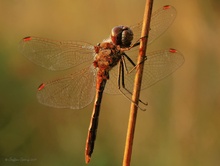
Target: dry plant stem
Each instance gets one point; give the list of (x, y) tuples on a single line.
[(137, 83)]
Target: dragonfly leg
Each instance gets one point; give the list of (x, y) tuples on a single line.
[(123, 65), (124, 62), (137, 65), (134, 65), (137, 43), (121, 75)]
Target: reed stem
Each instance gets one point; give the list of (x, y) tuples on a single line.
[(137, 83)]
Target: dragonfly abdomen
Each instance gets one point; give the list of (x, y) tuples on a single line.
[(90, 142)]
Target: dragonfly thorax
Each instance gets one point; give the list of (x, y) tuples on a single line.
[(122, 36), (107, 56)]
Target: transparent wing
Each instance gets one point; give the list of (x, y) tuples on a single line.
[(160, 22), (74, 91), (159, 64), (56, 55)]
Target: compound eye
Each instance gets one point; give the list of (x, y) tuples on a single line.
[(127, 37), (122, 35), (116, 35)]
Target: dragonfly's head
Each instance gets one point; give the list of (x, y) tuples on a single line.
[(122, 35)]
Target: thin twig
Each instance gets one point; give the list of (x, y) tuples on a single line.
[(137, 83)]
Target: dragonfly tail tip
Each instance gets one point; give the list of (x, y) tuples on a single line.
[(87, 159)]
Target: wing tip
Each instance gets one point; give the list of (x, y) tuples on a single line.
[(41, 86), (28, 38), (172, 50)]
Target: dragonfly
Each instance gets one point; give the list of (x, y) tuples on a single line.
[(96, 67)]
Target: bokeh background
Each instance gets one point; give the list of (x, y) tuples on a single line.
[(182, 123)]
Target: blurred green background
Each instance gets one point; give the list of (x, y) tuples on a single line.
[(181, 124)]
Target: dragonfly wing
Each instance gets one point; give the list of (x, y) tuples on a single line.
[(158, 65), (111, 86), (56, 55), (74, 91), (160, 22)]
